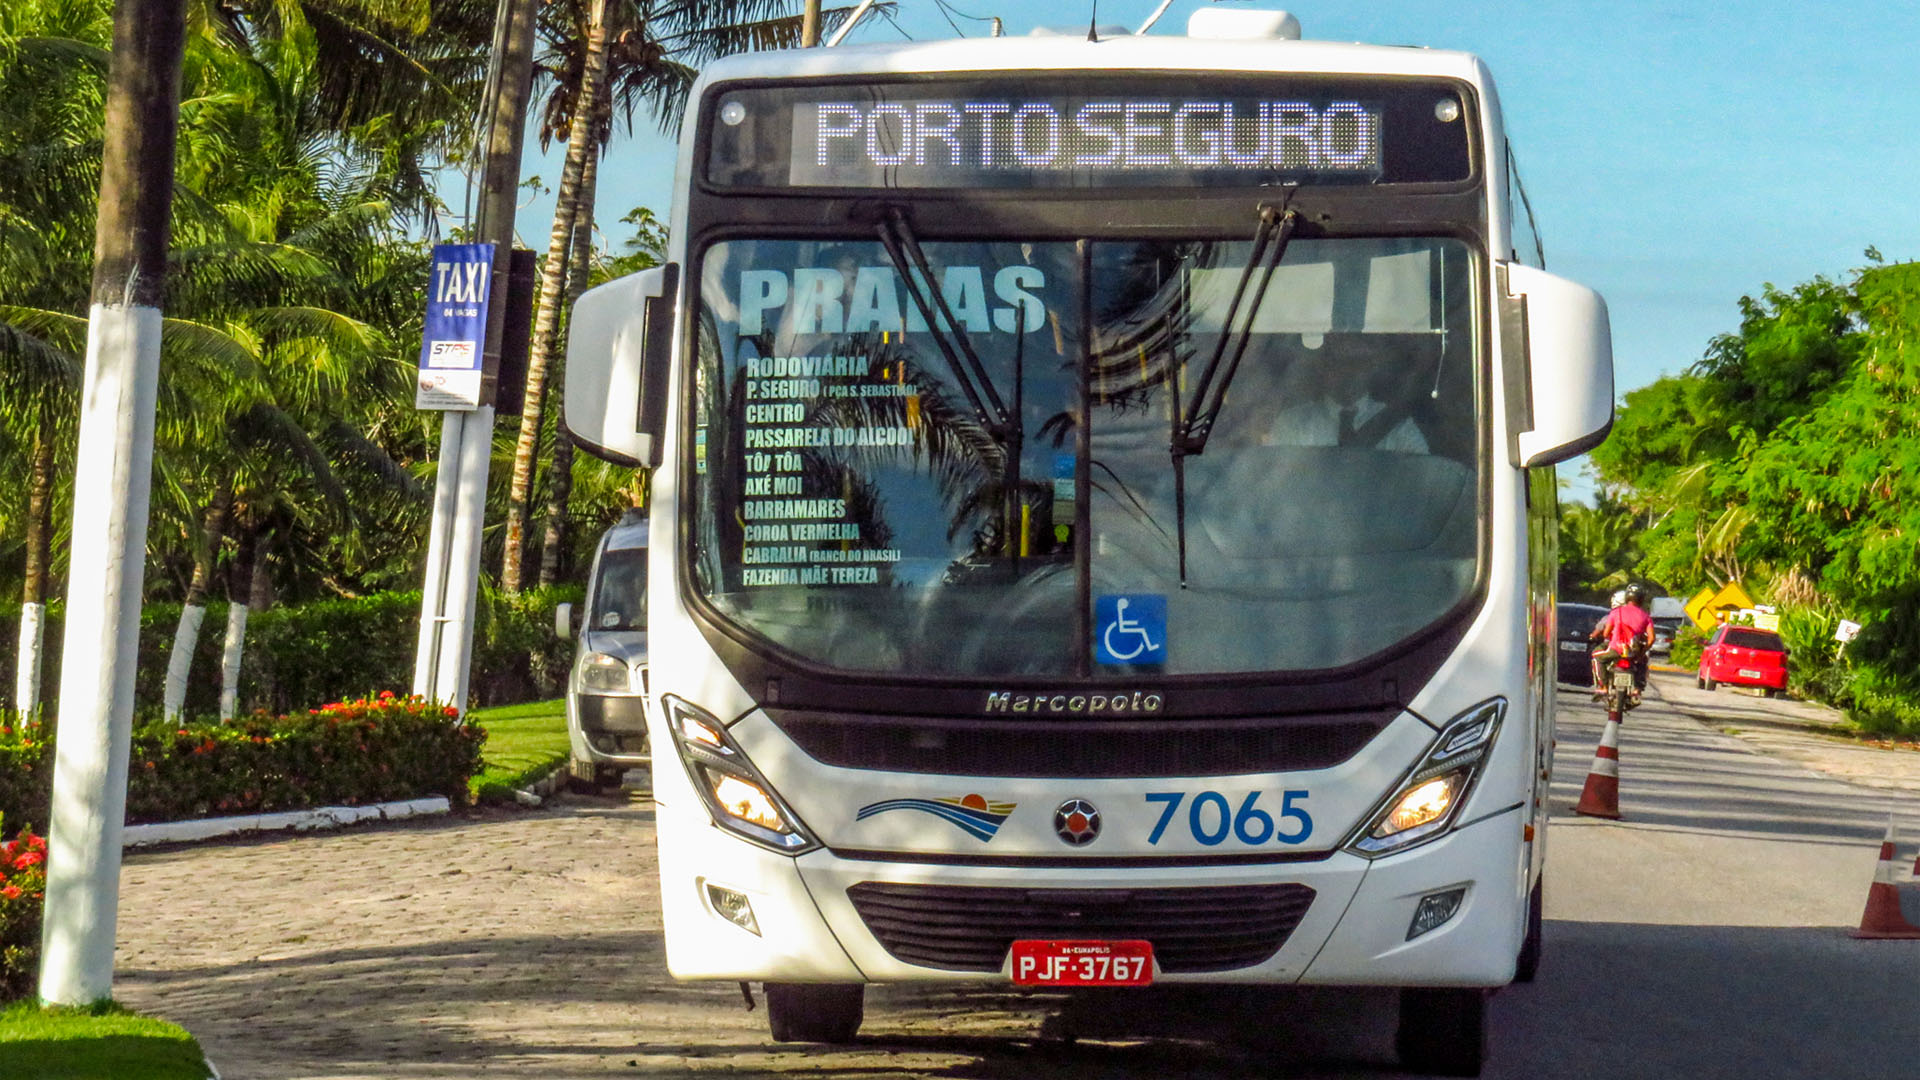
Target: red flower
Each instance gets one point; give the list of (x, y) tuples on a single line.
[(11, 892), (386, 695), (31, 858)]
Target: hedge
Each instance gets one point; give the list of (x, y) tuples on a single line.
[(329, 650), (348, 753)]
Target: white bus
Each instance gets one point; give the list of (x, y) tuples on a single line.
[(1102, 521)]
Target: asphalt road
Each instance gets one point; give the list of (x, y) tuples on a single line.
[(1705, 936)]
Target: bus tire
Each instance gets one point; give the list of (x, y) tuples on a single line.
[(815, 1012), (1527, 964), (1443, 1031)]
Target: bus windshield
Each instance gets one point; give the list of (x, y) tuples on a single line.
[(620, 591), (956, 458)]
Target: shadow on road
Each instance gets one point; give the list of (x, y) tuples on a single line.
[(1674, 773), (1708, 1002)]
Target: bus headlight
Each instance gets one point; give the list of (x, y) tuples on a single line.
[(737, 796), (1426, 802), (598, 671)]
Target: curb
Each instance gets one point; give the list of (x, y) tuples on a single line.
[(542, 789), (320, 817)]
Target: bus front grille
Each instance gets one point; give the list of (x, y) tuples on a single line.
[(970, 928), (1193, 746)]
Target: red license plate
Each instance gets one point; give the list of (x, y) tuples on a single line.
[(1082, 963)]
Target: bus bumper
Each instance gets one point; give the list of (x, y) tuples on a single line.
[(1354, 932)]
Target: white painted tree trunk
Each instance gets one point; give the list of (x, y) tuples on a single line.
[(102, 642), (114, 471), (185, 639), (26, 684), (230, 660)]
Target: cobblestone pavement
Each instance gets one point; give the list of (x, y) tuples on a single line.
[(521, 944), (513, 943)]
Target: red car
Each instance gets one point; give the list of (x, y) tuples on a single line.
[(1743, 656)]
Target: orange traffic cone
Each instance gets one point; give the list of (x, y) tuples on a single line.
[(1601, 796), (1893, 911)]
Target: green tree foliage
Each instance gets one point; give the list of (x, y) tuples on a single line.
[(1789, 457), (311, 135), (1599, 549)]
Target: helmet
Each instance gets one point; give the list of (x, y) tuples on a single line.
[(1619, 597), (1636, 595)]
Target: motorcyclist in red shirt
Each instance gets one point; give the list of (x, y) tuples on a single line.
[(1628, 631)]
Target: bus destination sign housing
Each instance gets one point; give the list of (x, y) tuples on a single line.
[(1089, 132)]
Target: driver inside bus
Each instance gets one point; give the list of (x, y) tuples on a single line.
[(1328, 399)]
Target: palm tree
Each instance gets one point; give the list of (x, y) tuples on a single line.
[(52, 88), (292, 213), (647, 52)]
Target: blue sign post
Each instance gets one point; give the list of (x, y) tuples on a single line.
[(453, 352)]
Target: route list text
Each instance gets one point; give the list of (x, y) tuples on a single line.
[(792, 537)]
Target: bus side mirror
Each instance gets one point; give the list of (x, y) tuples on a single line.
[(563, 621), (619, 344), (1558, 350)]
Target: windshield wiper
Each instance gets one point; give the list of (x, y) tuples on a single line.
[(903, 247), (1194, 424), (990, 409)]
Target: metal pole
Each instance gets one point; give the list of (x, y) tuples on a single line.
[(446, 631), (854, 18), (434, 585), (463, 560), (1155, 17), (109, 542), (810, 25)]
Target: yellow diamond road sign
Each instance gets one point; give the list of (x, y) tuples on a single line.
[(1707, 605), (1697, 608)]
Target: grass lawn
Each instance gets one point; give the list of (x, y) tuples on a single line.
[(523, 743), (101, 1043)]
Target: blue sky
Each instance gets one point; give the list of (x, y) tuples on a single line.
[(1678, 155)]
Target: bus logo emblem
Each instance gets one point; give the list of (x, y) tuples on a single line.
[(973, 814), (1077, 822)]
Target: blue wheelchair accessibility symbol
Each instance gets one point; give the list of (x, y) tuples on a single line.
[(1130, 630)]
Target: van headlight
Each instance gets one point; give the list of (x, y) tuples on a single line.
[(1424, 805), (598, 671), (737, 796)]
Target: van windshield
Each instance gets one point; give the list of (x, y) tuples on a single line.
[(960, 462), (620, 591)]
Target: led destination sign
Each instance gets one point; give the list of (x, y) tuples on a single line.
[(1287, 136), (1089, 132)]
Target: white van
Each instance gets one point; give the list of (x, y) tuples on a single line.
[(607, 686)]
